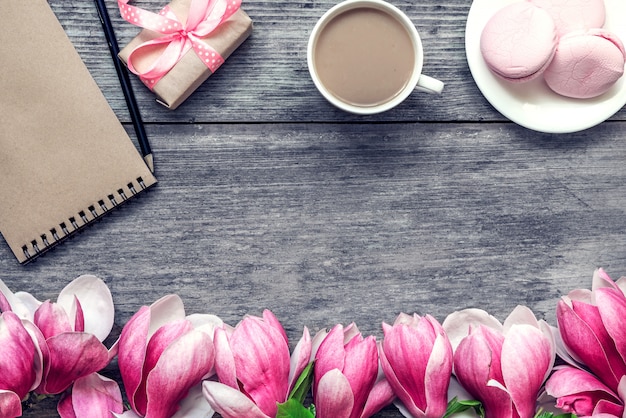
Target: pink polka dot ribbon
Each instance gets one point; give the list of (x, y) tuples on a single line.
[(176, 38)]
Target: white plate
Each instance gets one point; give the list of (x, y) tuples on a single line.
[(533, 105)]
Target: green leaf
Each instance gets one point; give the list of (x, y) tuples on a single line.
[(303, 384), (294, 409), (455, 406)]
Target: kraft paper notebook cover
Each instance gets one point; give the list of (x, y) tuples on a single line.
[(65, 159)]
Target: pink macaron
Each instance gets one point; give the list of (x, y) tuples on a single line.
[(586, 64), (573, 15), (519, 41)]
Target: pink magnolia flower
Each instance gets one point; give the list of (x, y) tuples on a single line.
[(503, 366), (581, 393), (416, 357), (254, 368), (347, 382), (20, 364), (69, 333), (92, 396), (590, 323), (163, 355)]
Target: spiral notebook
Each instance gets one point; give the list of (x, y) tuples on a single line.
[(65, 159)]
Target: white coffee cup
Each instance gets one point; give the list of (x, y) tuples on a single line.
[(414, 79)]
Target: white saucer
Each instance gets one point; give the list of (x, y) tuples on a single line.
[(533, 105)]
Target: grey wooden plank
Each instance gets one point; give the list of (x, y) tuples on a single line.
[(267, 78), (333, 223)]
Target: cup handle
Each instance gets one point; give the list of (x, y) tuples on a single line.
[(429, 85)]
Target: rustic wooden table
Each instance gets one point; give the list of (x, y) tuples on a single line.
[(268, 197)]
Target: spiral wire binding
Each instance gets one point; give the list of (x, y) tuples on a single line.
[(71, 226)]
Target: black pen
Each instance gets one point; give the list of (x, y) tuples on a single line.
[(122, 74)]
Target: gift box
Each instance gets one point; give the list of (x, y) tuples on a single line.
[(183, 45)]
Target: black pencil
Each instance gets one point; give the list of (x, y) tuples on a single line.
[(129, 95)]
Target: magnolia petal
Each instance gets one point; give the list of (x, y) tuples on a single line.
[(330, 354), (406, 352), (349, 332), (25, 305), (79, 321), (229, 402), (18, 359), (300, 358), (205, 322), (549, 332), (379, 397), (334, 398), (601, 279), (406, 319), (65, 409), (271, 319), (180, 367), (608, 408), (52, 319), (437, 378), (224, 359), (10, 404), (166, 309), (569, 380), (72, 355), (476, 362), (158, 343), (612, 307), (318, 338), (133, 340), (405, 401), (361, 368), (520, 315), (21, 303), (526, 357), (93, 396), (194, 405), (586, 337), (5, 306), (132, 346), (458, 324), (262, 361), (582, 393), (96, 301), (162, 339), (42, 354)]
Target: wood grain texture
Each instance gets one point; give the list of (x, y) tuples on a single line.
[(334, 223), (268, 198)]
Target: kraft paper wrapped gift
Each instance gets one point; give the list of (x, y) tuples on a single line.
[(190, 71)]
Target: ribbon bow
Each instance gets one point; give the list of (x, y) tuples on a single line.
[(204, 17)]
